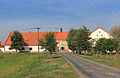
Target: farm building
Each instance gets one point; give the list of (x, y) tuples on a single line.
[(99, 33), (31, 40)]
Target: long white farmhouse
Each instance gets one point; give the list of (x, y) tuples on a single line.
[(31, 40)]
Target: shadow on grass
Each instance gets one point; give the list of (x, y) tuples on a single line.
[(87, 54), (54, 57)]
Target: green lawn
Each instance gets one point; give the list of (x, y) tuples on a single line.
[(29, 66), (105, 59)]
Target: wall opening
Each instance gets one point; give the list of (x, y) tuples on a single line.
[(62, 48), (30, 48), (23, 48)]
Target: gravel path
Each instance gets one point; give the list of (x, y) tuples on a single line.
[(91, 69)]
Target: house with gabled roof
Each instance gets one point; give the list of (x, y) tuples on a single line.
[(100, 33), (31, 40)]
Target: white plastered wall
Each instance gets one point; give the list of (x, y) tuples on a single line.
[(99, 33), (34, 49), (1, 50)]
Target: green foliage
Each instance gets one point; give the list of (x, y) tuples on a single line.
[(78, 39), (70, 39), (49, 42), (115, 31), (103, 45), (110, 45), (17, 41)]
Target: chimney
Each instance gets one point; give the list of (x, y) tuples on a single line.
[(61, 30)]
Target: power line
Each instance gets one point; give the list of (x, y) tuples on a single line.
[(42, 28)]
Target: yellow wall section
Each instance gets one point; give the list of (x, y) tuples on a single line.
[(63, 47)]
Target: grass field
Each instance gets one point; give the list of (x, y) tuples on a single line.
[(105, 59), (29, 66)]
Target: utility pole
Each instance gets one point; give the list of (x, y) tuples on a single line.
[(38, 43)]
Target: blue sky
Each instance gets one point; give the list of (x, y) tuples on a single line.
[(20, 14)]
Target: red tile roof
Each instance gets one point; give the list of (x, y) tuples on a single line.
[(90, 33), (31, 38), (1, 43)]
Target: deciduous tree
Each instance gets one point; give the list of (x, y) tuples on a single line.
[(78, 39), (115, 31), (103, 45), (49, 42), (17, 41)]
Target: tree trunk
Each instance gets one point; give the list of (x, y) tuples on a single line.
[(50, 52), (101, 54), (91, 53), (16, 50), (76, 52), (73, 52), (115, 58), (96, 55), (107, 56), (79, 52)]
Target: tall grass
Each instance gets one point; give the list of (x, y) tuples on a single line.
[(107, 59), (29, 66)]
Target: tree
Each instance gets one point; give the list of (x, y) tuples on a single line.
[(49, 42), (71, 40), (115, 31), (110, 45), (83, 39), (99, 45), (103, 45), (78, 40), (17, 41)]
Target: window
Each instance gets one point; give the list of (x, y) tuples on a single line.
[(62, 48), (30, 48), (101, 35), (10, 48), (23, 48), (99, 31), (96, 35)]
